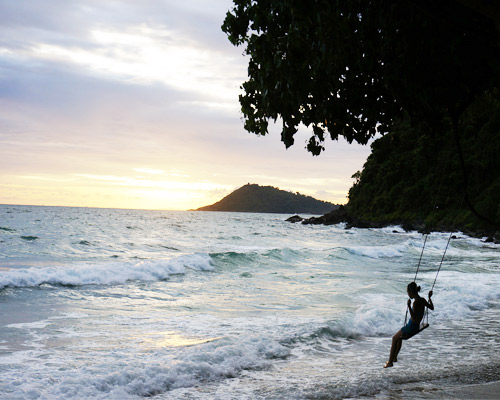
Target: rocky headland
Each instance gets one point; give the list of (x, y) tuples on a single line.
[(341, 215)]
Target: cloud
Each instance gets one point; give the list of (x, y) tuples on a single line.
[(103, 88), (147, 55), (150, 171)]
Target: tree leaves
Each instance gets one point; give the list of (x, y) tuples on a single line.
[(414, 175), (359, 65)]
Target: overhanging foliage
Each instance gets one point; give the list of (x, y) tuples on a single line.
[(351, 68)]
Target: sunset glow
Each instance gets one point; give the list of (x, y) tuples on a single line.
[(137, 107)]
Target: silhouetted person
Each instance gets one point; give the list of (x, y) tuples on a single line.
[(413, 325)]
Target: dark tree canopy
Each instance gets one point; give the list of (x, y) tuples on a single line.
[(413, 176), (351, 68)]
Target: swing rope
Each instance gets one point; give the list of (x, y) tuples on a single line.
[(435, 279), (426, 312), (442, 258), (427, 235), (420, 259), (464, 197)]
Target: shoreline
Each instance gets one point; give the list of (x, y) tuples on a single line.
[(476, 391), (341, 215), (490, 390)]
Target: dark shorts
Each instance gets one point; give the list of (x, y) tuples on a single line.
[(410, 329)]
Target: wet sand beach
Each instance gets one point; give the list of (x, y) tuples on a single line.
[(480, 391)]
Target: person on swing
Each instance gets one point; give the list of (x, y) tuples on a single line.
[(413, 325)]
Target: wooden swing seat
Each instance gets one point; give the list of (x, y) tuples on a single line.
[(422, 327)]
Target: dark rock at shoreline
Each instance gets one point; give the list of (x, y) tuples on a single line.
[(493, 238), (334, 217), (295, 218), (341, 215)]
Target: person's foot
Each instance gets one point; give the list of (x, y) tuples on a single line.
[(388, 364), (395, 360)]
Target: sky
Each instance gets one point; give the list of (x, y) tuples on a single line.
[(134, 104)]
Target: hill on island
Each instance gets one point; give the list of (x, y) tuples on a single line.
[(268, 199)]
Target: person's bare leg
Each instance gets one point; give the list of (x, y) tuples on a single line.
[(397, 340), (398, 348)]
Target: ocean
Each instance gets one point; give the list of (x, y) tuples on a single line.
[(126, 304)]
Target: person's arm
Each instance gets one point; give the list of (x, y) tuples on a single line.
[(429, 303), (412, 315)]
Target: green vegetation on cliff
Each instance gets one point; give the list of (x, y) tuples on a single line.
[(414, 174), (267, 199)]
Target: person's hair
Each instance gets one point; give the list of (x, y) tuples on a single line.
[(413, 288)]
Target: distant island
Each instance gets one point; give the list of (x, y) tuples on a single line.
[(268, 199)]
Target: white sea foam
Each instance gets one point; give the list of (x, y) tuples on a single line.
[(105, 273), (378, 251), (459, 295), (144, 374), (289, 309), (377, 318), (392, 229), (377, 315), (29, 325)]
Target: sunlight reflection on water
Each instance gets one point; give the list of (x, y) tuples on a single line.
[(171, 339)]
